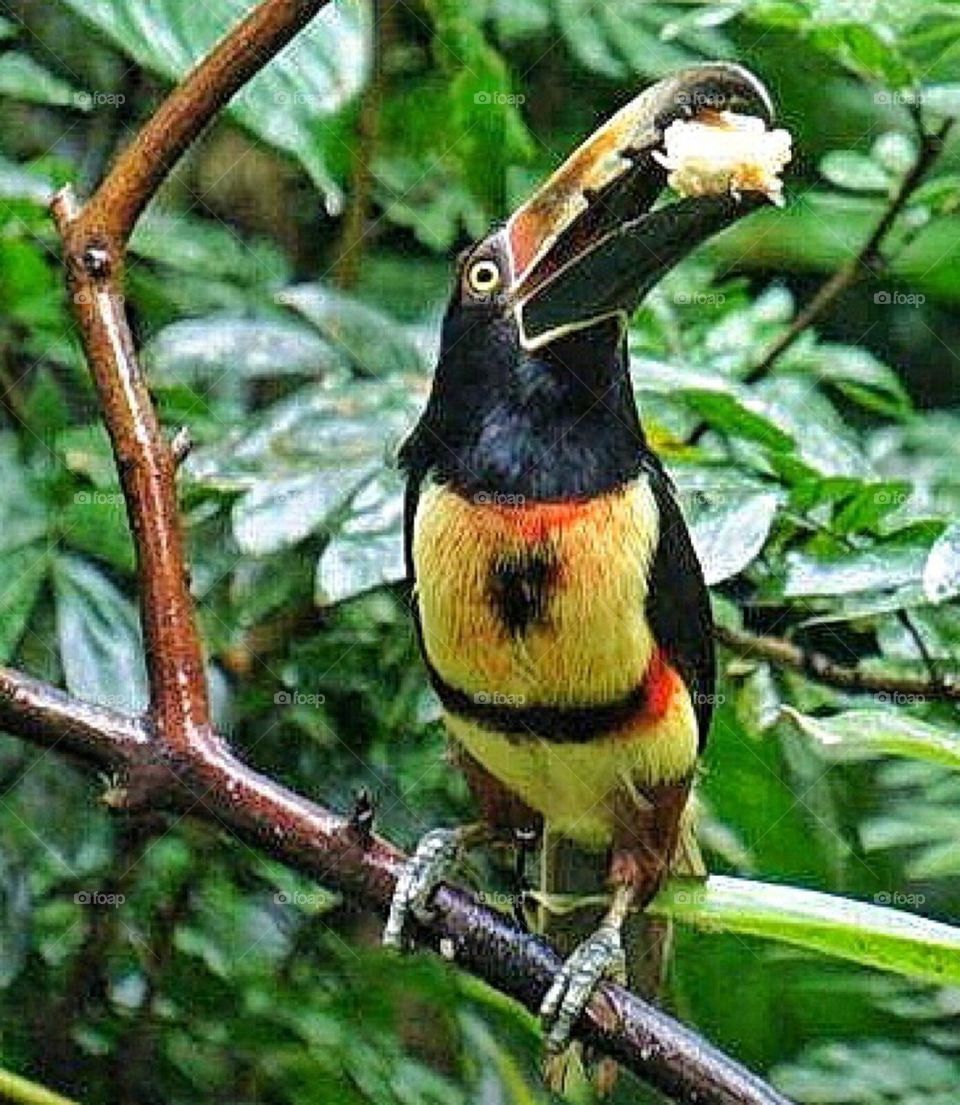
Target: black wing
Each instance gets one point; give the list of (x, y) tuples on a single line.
[(678, 605)]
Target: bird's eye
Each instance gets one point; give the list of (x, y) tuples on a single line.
[(483, 277)]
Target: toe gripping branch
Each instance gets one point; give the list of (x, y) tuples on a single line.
[(599, 957), (435, 855)]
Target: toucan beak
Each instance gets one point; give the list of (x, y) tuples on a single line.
[(587, 246)]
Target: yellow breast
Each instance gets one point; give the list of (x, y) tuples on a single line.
[(586, 642)]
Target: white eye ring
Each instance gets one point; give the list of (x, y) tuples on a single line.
[(484, 277)]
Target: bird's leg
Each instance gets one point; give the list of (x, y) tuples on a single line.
[(524, 841), (599, 957), (436, 856), (647, 821)]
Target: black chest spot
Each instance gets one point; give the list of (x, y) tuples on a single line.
[(520, 587)]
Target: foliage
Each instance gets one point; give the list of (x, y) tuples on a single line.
[(823, 499)]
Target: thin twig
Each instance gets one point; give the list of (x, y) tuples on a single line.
[(346, 269), (817, 666), (865, 263)]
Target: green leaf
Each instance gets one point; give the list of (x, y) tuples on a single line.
[(201, 248), (372, 340), (895, 151), (855, 172), (725, 405), (866, 507), (95, 522), (19, 182), (22, 573), (22, 507), (286, 103), (887, 939), (729, 528), (219, 346), (855, 372), (824, 441), (342, 425), (366, 550), (275, 514), (941, 195), (636, 36), (99, 635), (870, 1072), (941, 99), (865, 49), (886, 566), (941, 573), (868, 734), (22, 78)]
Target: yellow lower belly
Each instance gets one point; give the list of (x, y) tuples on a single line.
[(573, 784)]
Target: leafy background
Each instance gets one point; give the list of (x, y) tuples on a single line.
[(286, 291)]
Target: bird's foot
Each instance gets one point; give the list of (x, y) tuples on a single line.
[(599, 957), (435, 856)]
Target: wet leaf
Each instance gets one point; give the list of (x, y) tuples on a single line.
[(941, 573), (22, 572), (729, 529), (22, 78), (226, 346), (868, 734), (366, 550), (285, 104), (855, 171), (275, 514), (99, 636), (372, 340), (883, 568), (888, 939)]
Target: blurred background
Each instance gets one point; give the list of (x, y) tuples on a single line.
[(286, 290)]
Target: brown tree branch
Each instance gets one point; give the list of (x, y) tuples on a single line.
[(173, 759), (817, 666), (864, 263), (95, 237), (265, 815)]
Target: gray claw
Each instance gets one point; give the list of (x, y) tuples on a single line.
[(417, 881), (600, 956)]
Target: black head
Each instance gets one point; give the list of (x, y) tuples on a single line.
[(531, 394)]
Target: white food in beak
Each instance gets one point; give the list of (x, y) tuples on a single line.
[(723, 152)]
